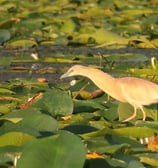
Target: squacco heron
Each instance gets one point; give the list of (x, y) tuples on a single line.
[(135, 91)]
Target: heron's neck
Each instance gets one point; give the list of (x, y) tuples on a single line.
[(106, 82), (103, 80)]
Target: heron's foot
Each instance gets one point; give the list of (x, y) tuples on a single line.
[(133, 116), (130, 118)]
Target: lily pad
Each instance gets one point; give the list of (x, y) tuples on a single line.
[(23, 43), (54, 152), (55, 102), (4, 35), (15, 139)]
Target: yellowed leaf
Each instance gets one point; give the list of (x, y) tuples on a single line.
[(94, 155), (66, 117), (13, 120), (149, 160), (153, 143)]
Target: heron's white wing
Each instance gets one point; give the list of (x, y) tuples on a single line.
[(137, 91)]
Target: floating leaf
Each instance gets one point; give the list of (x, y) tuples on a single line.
[(6, 24), (116, 162), (24, 43), (4, 90), (54, 152), (4, 35), (98, 133), (137, 132), (125, 110), (22, 113), (150, 160), (82, 94), (135, 164), (40, 122), (57, 25), (15, 139), (55, 102), (69, 26), (110, 113), (145, 72), (135, 11), (87, 106), (155, 42), (95, 11), (35, 124), (4, 109), (59, 60), (97, 144), (107, 37), (146, 45), (14, 120), (111, 149), (149, 124), (94, 155)]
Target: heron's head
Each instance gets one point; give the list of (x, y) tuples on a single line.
[(74, 71)]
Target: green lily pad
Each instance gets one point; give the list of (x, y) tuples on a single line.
[(54, 152), (55, 102), (15, 139), (5, 90), (23, 43), (69, 26), (137, 132), (4, 35), (107, 37)]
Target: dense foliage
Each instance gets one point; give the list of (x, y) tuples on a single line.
[(54, 123), (78, 22)]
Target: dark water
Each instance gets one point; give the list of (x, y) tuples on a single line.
[(29, 70)]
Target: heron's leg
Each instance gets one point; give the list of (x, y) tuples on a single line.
[(144, 114), (133, 116)]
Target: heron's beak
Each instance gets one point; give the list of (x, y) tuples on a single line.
[(65, 75)]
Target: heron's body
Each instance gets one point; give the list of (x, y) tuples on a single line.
[(135, 91)]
